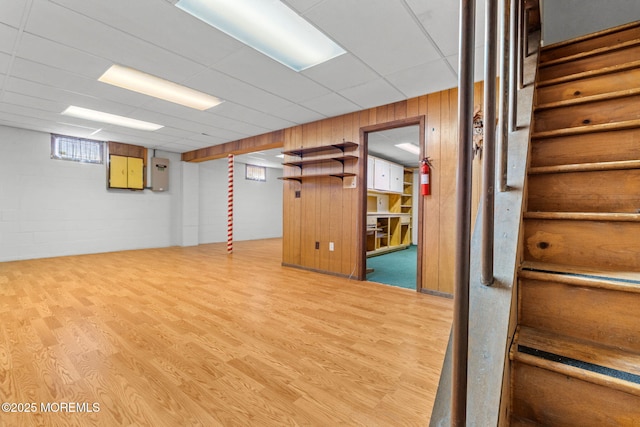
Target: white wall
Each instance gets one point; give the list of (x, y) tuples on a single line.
[(55, 207), (257, 205), (567, 19)]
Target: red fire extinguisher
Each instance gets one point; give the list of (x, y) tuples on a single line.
[(425, 175)]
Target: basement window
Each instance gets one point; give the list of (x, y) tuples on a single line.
[(76, 149), (255, 173)]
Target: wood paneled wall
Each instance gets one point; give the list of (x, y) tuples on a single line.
[(326, 212)]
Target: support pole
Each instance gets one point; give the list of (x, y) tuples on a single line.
[(505, 6), (513, 66), (230, 204), (463, 214), (489, 143)]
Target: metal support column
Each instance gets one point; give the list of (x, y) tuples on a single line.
[(489, 140), (463, 214), (513, 67), (505, 7)]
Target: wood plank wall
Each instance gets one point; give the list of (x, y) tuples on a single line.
[(326, 212)]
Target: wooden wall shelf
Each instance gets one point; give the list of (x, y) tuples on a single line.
[(324, 148), (302, 162), (301, 178)]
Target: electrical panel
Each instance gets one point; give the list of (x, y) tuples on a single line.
[(159, 174)]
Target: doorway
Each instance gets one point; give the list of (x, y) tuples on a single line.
[(393, 210)]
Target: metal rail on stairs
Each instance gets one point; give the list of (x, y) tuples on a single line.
[(513, 31)]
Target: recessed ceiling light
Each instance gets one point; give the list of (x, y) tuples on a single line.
[(269, 27), (99, 116), (137, 81), (407, 146)]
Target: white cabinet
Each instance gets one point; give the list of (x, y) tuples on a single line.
[(383, 175), (381, 179), (396, 178), (370, 168)]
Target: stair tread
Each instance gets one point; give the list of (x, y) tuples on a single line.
[(587, 274), (577, 130), (516, 421), (592, 52), (586, 167), (583, 351), (586, 216), (586, 99), (589, 73), (579, 373)]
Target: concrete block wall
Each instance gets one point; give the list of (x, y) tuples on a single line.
[(257, 205), (54, 207)]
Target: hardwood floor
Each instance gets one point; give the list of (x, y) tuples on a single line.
[(193, 336)]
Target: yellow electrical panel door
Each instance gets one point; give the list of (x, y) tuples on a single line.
[(118, 175), (135, 168)]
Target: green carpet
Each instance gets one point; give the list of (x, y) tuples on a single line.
[(395, 268)]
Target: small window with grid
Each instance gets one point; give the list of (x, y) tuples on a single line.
[(255, 173), (76, 149)]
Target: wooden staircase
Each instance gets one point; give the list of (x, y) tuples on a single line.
[(575, 359)]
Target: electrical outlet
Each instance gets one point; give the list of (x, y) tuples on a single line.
[(349, 182), (331, 247), (317, 245)]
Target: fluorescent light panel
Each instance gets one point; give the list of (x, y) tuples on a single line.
[(99, 116), (137, 81), (407, 146), (269, 27)]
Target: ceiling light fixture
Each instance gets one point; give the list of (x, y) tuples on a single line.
[(269, 27), (407, 146), (137, 81), (99, 116)]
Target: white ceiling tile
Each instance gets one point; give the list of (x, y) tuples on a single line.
[(151, 20), (425, 78), (372, 94), (299, 114), (442, 21), (302, 6), (33, 102), (478, 69), (331, 105), (377, 33), (341, 72), (44, 51), (5, 60), (234, 90), (259, 70), (11, 12), (177, 148), (72, 29), (50, 83), (7, 38), (254, 117)]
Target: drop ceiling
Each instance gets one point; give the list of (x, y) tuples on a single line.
[(53, 51)]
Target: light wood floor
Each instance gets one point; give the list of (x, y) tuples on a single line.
[(192, 336)]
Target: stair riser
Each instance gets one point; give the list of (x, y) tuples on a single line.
[(596, 62), (588, 148), (604, 316), (553, 399), (591, 113), (588, 87), (596, 244), (551, 53), (601, 191)]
